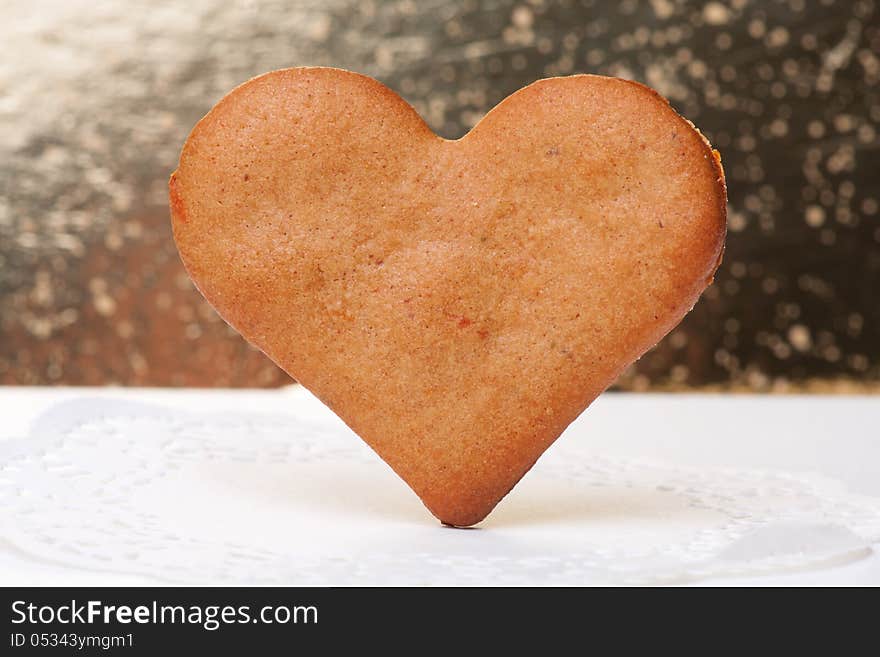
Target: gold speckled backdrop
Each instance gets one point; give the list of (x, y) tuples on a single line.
[(96, 99)]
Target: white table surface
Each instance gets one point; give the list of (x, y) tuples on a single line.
[(838, 437)]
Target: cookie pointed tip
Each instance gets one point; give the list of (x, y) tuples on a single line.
[(460, 516)]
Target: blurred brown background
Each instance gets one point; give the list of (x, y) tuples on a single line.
[(96, 99)]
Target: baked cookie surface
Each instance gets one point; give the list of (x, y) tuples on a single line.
[(456, 303)]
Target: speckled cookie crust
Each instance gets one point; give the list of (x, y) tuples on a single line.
[(456, 303)]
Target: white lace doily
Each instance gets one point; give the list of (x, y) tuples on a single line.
[(298, 499)]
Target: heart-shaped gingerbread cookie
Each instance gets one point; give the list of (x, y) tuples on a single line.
[(456, 303)]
